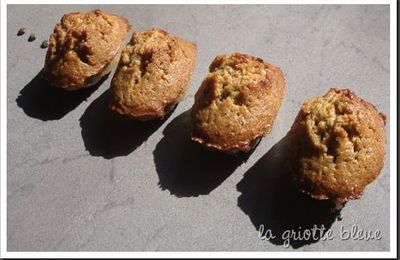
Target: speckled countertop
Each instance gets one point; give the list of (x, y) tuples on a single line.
[(80, 179)]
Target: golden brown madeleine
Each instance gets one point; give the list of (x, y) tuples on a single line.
[(83, 48), (237, 102), (153, 74), (337, 146)]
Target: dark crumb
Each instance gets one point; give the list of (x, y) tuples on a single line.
[(21, 31), (32, 37), (44, 44), (339, 217)]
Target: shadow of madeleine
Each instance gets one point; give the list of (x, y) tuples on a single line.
[(38, 99), (273, 203), (184, 167), (108, 134)]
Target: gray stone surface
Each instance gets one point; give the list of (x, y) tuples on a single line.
[(79, 179)]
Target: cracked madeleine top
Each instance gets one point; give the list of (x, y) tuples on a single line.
[(337, 145), (237, 102), (81, 47), (152, 76)]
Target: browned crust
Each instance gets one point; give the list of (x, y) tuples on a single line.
[(153, 75), (337, 146), (237, 103), (82, 48)]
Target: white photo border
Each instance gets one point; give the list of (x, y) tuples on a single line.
[(393, 145)]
